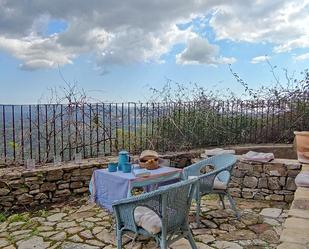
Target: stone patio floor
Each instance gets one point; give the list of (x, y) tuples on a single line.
[(79, 225)]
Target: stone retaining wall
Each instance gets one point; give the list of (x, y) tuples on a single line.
[(20, 189), (265, 181)]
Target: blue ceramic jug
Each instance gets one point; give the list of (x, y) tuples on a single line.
[(123, 158)]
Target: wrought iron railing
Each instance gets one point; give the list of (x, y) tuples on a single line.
[(43, 131)]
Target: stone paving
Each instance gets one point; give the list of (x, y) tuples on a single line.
[(78, 225)]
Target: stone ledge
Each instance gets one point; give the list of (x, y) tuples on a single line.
[(296, 227)]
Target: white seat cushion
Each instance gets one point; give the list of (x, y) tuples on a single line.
[(220, 185), (147, 219)]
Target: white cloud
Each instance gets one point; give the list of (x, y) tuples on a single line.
[(281, 22), (116, 33), (137, 31), (260, 59), (38, 52), (301, 57), (200, 51)]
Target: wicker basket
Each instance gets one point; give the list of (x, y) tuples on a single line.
[(150, 164)]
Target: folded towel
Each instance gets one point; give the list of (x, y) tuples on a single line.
[(258, 156), (216, 151)]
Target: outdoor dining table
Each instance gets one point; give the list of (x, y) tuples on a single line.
[(106, 187)]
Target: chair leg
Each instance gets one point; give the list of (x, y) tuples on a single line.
[(222, 200), (233, 205), (163, 244), (198, 209), (191, 240), (119, 239)]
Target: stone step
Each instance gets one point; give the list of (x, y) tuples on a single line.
[(297, 223), (299, 213), (298, 236), (287, 245)]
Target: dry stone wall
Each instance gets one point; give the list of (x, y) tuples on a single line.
[(21, 189), (265, 181)]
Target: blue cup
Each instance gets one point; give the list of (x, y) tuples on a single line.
[(112, 167), (127, 167)]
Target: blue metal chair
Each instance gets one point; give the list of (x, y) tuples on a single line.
[(170, 204), (222, 167)]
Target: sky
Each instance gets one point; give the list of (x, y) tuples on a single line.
[(117, 50)]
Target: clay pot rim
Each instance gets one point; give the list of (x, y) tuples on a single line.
[(301, 133)]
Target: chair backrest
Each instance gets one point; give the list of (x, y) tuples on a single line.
[(223, 164), (177, 203), (171, 203)]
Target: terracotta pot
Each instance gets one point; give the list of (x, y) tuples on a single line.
[(302, 142)]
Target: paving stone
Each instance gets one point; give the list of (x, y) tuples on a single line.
[(249, 218), (181, 244), (56, 217), (71, 245), (95, 242), (113, 247), (9, 247), (59, 236), (209, 224), (87, 224), (108, 238), (252, 243), (16, 225), (66, 224), (47, 234), (4, 242), (272, 222), (96, 230), (271, 212), (48, 223), (81, 215), (4, 234), (37, 219), (86, 234), (19, 232), (55, 246), (3, 226), (227, 227), (44, 228), (238, 235), (227, 245), (205, 238), (74, 230), (87, 207), (34, 242), (269, 236), (76, 238), (260, 228), (93, 219)]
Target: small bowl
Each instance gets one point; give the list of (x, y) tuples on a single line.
[(112, 167)]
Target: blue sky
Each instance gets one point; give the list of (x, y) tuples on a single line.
[(119, 56)]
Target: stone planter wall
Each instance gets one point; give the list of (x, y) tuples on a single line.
[(20, 189), (265, 181)]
